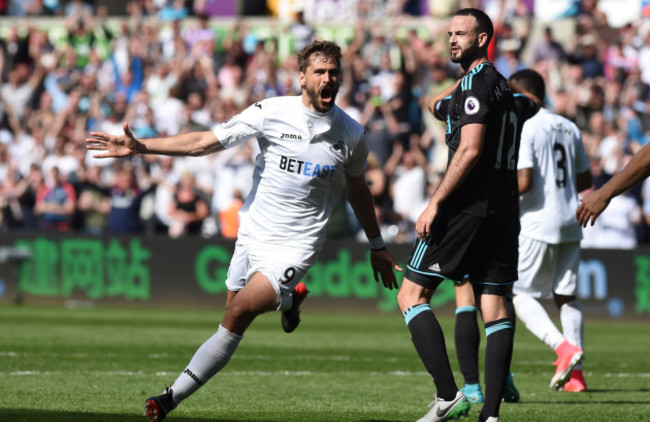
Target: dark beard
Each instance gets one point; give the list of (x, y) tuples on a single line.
[(314, 98), (466, 57)]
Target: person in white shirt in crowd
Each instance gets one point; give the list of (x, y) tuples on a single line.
[(409, 184)]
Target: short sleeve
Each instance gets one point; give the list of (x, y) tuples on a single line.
[(441, 108), (526, 108), (241, 127), (474, 103)]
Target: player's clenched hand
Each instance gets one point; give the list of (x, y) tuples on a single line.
[(383, 264), (425, 220), (591, 206), (113, 145)]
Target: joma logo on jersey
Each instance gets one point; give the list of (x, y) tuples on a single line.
[(306, 168), (290, 136)]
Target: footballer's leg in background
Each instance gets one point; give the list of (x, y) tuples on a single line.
[(467, 339), (573, 329), (571, 319), (566, 301), (510, 308), (256, 297), (511, 393), (537, 320), (543, 269), (498, 349)]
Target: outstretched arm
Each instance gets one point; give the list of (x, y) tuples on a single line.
[(361, 201), (192, 144), (594, 203)]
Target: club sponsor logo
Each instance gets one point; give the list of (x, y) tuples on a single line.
[(306, 168)]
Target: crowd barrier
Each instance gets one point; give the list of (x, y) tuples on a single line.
[(190, 273)]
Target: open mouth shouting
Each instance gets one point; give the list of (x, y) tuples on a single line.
[(327, 96)]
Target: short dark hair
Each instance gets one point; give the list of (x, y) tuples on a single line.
[(327, 49), (531, 81), (484, 23)]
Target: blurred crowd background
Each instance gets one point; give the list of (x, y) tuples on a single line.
[(171, 66)]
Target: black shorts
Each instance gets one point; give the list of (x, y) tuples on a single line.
[(462, 245)]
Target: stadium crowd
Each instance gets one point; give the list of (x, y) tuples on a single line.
[(163, 69)]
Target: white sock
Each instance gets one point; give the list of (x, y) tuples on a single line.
[(573, 324), (209, 359), (534, 316)]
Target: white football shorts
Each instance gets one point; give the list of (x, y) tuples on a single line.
[(547, 268), (284, 267)]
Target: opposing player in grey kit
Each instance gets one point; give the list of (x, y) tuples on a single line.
[(310, 149)]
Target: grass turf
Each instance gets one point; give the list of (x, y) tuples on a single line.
[(99, 365)]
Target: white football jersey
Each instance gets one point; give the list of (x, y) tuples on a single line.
[(304, 159), (552, 146)]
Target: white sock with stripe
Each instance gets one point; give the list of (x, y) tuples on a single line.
[(209, 359)]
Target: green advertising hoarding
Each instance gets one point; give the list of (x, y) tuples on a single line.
[(153, 271)]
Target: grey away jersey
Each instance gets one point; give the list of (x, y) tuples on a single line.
[(304, 160)]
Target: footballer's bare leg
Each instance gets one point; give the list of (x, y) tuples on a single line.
[(493, 307), (255, 298)]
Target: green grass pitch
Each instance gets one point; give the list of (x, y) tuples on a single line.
[(99, 365)]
